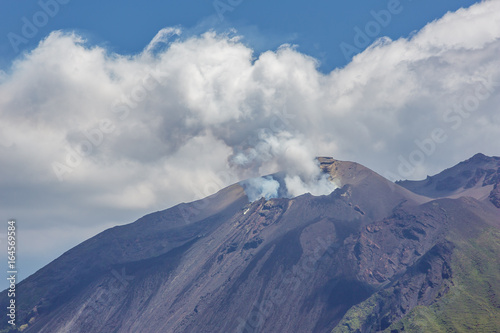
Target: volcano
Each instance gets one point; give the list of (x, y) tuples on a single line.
[(372, 256)]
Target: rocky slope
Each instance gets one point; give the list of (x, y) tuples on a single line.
[(371, 256)]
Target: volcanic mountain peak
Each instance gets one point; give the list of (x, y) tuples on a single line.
[(344, 172), (370, 256)]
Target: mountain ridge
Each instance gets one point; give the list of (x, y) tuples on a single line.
[(478, 176)]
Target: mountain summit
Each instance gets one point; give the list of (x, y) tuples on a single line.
[(372, 256)]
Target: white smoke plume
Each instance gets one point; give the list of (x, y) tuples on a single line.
[(321, 185), (291, 154), (262, 187), (275, 186)]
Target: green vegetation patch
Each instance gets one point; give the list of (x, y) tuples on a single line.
[(472, 303)]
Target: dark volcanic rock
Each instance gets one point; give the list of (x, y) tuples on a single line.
[(495, 196)]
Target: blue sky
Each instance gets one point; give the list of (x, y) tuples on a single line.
[(73, 164), (318, 27)]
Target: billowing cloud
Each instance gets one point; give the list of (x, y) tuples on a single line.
[(90, 138)]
